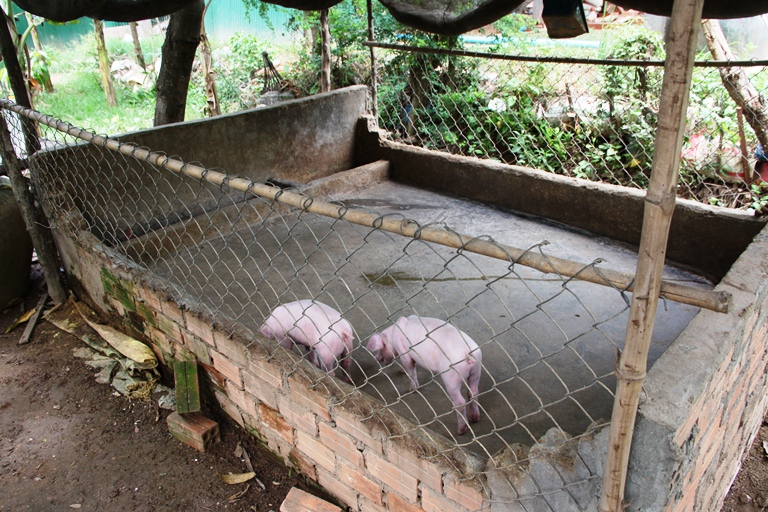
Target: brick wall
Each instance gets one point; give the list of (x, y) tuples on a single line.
[(703, 402), (317, 424), (704, 399)]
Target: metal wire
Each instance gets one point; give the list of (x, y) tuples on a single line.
[(587, 118), (243, 249)]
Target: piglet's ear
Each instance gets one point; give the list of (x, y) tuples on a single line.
[(375, 343)]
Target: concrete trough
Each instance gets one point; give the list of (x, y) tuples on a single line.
[(194, 268)]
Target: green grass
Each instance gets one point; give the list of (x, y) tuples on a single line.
[(80, 100)]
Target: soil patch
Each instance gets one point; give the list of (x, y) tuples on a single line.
[(67, 441)]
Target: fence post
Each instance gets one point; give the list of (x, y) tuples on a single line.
[(659, 206), (34, 218)]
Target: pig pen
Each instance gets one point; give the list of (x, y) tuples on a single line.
[(193, 266)]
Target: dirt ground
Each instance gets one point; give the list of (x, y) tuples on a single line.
[(67, 442)]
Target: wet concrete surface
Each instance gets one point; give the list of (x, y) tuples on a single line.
[(549, 344)]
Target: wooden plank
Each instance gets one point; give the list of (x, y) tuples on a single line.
[(193, 387), (180, 379), (27, 336)]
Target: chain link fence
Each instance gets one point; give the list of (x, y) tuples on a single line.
[(546, 338), (586, 118)]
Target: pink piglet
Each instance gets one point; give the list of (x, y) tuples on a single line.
[(316, 326), (439, 347)]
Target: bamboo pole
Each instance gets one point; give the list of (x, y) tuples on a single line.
[(34, 218), (715, 301), (659, 207)]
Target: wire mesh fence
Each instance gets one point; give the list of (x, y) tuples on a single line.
[(586, 118), (530, 349)]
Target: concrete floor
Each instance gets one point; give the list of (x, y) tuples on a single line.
[(549, 345)]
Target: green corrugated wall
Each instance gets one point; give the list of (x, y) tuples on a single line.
[(224, 18)]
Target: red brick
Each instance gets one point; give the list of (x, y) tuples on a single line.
[(426, 471), (266, 371), (194, 429), (354, 427), (434, 502), (341, 444), (301, 462), (310, 399), (465, 495), (686, 503), (158, 353), (200, 349), (200, 328), (393, 476), (367, 505), (694, 413), (173, 312), (395, 503), (229, 407), (230, 370), (149, 297), (275, 421), (334, 486), (315, 450), (169, 327), (214, 376), (161, 339), (260, 388), (300, 501), (244, 401), (299, 417), (354, 478), (234, 350)]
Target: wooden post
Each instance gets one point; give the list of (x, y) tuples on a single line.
[(138, 54), (374, 73), (106, 76), (659, 207), (325, 71), (34, 218)]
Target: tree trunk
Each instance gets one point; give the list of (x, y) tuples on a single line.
[(138, 54), (181, 42), (737, 83), (106, 76), (325, 70), (34, 218), (18, 83), (374, 75), (212, 96)]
